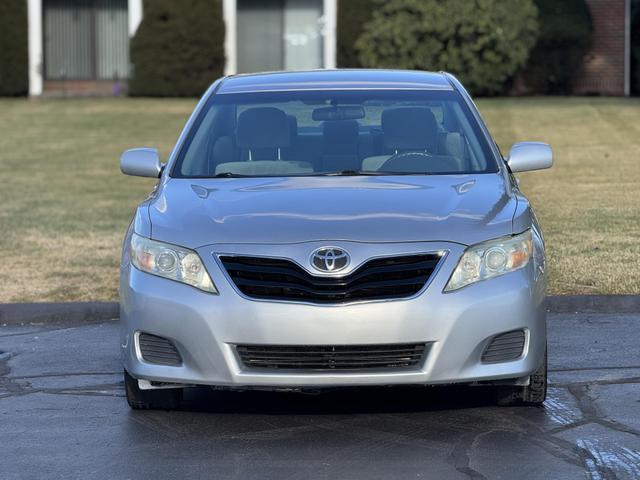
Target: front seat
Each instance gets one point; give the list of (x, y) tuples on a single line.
[(266, 130)]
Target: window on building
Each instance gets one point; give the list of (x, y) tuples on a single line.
[(279, 35), (86, 40)]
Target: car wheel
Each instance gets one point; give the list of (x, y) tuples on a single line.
[(165, 399), (533, 394)]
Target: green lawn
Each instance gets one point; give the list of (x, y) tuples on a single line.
[(64, 205)]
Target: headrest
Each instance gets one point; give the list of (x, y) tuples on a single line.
[(263, 127), (409, 128), (340, 136)]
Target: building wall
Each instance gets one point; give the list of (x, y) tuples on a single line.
[(605, 66)]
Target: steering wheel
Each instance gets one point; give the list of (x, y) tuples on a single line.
[(411, 158)]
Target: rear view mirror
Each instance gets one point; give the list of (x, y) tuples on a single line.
[(346, 112), (141, 162), (527, 156)]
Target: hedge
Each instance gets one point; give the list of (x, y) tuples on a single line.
[(563, 41), (483, 42), (178, 49), (14, 54), (352, 16)]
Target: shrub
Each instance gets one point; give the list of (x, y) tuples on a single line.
[(14, 56), (635, 47), (178, 49), (483, 42), (352, 16), (563, 40)]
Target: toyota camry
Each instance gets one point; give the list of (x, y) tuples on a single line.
[(332, 229)]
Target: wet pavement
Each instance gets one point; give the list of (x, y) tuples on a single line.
[(63, 415)]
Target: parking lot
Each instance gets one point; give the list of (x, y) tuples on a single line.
[(63, 415)]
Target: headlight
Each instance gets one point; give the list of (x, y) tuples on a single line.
[(491, 259), (170, 261)]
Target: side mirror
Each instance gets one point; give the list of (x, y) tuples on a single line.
[(141, 162), (526, 156)]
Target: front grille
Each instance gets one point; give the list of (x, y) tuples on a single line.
[(156, 349), (381, 278), (505, 347), (328, 357)]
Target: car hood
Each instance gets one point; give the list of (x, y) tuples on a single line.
[(458, 208)]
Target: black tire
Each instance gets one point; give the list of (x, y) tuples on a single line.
[(533, 394), (165, 399)]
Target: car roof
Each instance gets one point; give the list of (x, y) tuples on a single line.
[(341, 79)]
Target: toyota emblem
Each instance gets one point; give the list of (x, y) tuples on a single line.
[(330, 259)]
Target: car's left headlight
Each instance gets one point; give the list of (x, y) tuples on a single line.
[(491, 259), (170, 261)]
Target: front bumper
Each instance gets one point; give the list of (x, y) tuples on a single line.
[(205, 328)]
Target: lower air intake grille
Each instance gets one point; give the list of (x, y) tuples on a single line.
[(381, 278), (326, 357), (505, 347), (156, 349)]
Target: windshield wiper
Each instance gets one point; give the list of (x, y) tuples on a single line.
[(352, 173), (229, 175), (341, 173)]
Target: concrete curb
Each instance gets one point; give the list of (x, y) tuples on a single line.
[(93, 312), (56, 313)]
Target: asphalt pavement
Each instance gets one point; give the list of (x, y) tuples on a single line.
[(63, 415)]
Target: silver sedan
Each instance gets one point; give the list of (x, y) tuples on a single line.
[(332, 229)]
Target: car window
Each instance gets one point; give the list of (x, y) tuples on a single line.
[(329, 132)]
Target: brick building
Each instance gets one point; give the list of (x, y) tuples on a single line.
[(606, 69)]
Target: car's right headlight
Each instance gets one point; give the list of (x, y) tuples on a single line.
[(491, 259), (170, 261)]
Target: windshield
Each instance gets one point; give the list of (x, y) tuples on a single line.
[(351, 132)]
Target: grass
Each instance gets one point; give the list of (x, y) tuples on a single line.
[(64, 205), (589, 203)]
